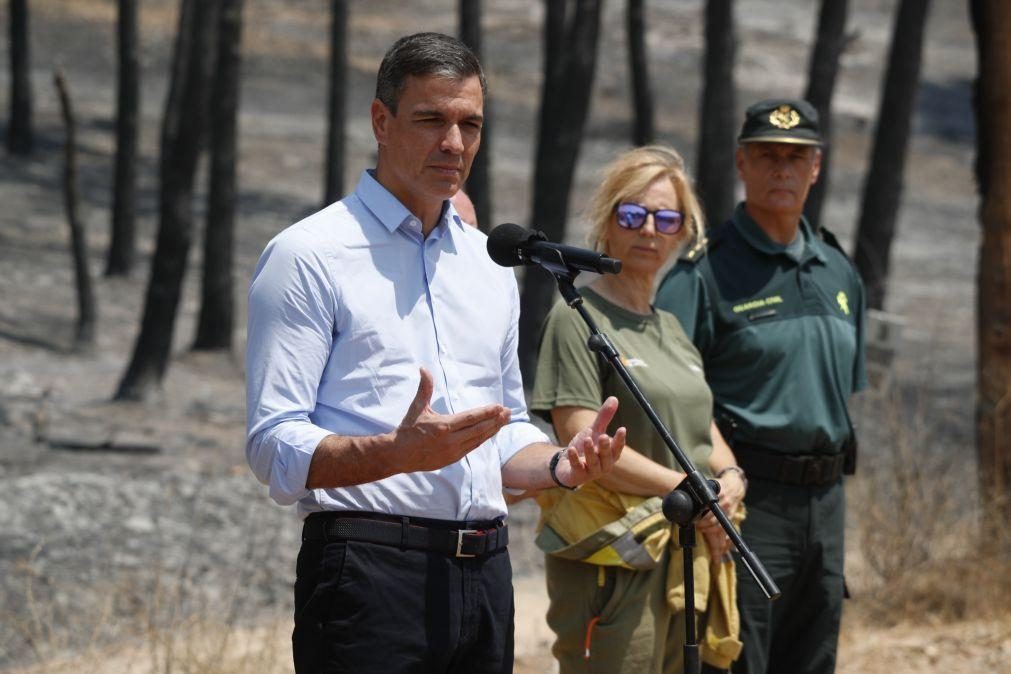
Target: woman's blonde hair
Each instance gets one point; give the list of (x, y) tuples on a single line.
[(629, 176)]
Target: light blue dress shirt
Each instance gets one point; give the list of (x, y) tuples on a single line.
[(344, 307)]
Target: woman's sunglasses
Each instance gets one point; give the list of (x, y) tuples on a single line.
[(633, 216)]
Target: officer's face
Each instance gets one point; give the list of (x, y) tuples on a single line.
[(426, 149), (778, 176), (644, 250)]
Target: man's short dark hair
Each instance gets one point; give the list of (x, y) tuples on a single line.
[(424, 54)]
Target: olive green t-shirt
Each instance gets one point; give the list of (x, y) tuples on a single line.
[(658, 355)]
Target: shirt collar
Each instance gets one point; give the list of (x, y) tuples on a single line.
[(756, 237), (393, 214), (450, 214)]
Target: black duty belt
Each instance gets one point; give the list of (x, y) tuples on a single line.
[(806, 470), (456, 539)]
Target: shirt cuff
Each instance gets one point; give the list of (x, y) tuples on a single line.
[(280, 458), (514, 437)]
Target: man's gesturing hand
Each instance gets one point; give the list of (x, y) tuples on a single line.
[(427, 440), (592, 452)]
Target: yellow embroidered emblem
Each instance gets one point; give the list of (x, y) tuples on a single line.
[(784, 117), (844, 302), (758, 304)]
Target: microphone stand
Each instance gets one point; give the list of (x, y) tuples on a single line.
[(687, 503)]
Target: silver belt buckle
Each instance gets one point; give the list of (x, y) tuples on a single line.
[(459, 542)]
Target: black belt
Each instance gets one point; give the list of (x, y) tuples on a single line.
[(457, 539), (806, 470)]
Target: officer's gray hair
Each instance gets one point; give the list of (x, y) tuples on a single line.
[(629, 176), (424, 54)]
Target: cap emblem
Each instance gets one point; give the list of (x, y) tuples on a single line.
[(784, 117)]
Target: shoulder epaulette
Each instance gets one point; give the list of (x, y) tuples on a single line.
[(697, 250), (704, 243), (830, 239)]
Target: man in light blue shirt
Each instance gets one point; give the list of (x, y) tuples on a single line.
[(384, 395)]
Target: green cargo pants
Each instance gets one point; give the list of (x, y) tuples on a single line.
[(610, 620), (797, 533)]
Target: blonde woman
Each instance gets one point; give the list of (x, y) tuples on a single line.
[(612, 572)]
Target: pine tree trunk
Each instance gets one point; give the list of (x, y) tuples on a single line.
[(217, 310), (336, 102), (121, 246), (992, 23), (638, 63), (479, 182), (718, 122), (84, 337), (820, 86), (883, 186), (20, 137), (181, 140), (565, 104)]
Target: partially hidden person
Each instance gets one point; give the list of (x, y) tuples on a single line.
[(777, 312), (613, 563)]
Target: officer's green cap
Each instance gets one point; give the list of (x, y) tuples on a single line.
[(781, 120)]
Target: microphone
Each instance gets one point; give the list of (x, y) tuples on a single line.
[(510, 245)]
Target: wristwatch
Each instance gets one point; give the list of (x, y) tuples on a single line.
[(734, 469), (553, 465)]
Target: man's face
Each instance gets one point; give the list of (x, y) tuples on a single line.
[(778, 176), (426, 149)]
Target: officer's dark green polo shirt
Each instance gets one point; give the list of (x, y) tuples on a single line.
[(780, 330)]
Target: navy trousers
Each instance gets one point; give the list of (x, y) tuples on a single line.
[(366, 607)]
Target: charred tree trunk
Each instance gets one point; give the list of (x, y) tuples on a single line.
[(85, 334), (20, 138), (479, 182), (992, 22), (217, 311), (570, 61), (883, 186), (638, 63), (717, 114), (820, 87), (182, 136), (337, 101), (556, 21), (121, 245)]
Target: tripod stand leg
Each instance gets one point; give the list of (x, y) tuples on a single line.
[(687, 537)]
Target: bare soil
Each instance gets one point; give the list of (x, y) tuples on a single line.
[(107, 555)]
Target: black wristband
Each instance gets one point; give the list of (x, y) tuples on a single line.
[(552, 465)]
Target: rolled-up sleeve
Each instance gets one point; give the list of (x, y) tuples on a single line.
[(519, 432), (292, 304)]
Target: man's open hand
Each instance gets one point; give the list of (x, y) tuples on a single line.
[(427, 440)]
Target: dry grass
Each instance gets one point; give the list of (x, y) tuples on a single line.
[(924, 557), (161, 637), (167, 617), (197, 646)]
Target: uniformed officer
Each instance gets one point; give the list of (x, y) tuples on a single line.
[(776, 309)]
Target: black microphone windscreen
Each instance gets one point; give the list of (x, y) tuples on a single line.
[(503, 242)]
